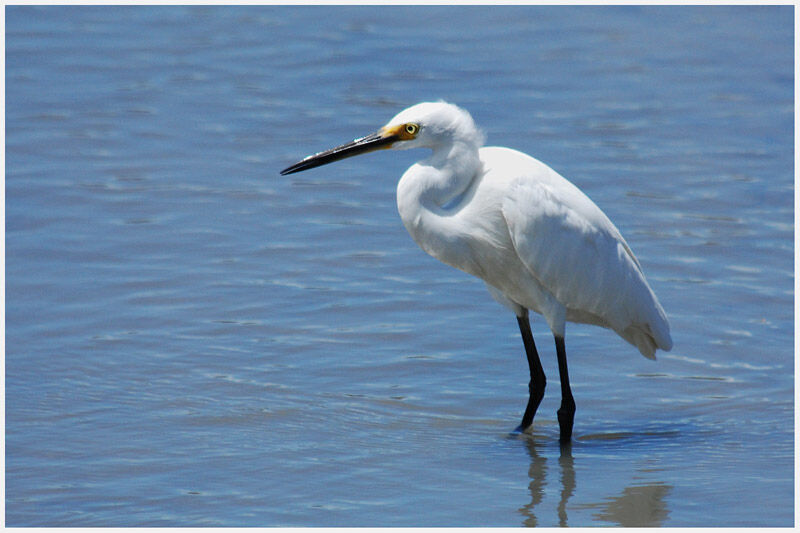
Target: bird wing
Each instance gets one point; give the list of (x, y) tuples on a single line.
[(576, 253)]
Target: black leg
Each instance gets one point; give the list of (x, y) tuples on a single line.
[(538, 380), (566, 413)]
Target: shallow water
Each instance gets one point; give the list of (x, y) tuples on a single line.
[(192, 339)]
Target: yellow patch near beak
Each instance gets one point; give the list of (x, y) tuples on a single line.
[(403, 132)]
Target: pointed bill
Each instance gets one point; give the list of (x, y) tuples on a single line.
[(375, 141)]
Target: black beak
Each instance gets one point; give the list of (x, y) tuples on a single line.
[(359, 146)]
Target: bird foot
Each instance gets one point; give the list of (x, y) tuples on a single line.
[(520, 429), (565, 421)]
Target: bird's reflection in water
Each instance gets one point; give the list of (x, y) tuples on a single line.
[(637, 505), (567, 471), (538, 474)]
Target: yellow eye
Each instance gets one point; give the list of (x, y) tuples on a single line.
[(411, 129)]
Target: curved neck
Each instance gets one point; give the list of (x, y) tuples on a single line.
[(446, 174), (429, 194)]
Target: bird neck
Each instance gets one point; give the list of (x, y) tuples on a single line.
[(446, 174), (431, 191)]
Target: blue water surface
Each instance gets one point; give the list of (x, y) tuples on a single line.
[(193, 339)]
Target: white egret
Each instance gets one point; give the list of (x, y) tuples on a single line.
[(538, 242)]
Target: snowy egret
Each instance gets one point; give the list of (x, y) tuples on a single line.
[(534, 238)]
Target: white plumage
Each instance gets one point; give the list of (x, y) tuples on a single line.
[(531, 235), (537, 241)]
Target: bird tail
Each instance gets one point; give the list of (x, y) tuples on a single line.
[(650, 336)]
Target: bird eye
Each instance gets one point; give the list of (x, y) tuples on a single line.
[(412, 129)]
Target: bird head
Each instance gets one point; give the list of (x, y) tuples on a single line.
[(424, 125), (433, 124)]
